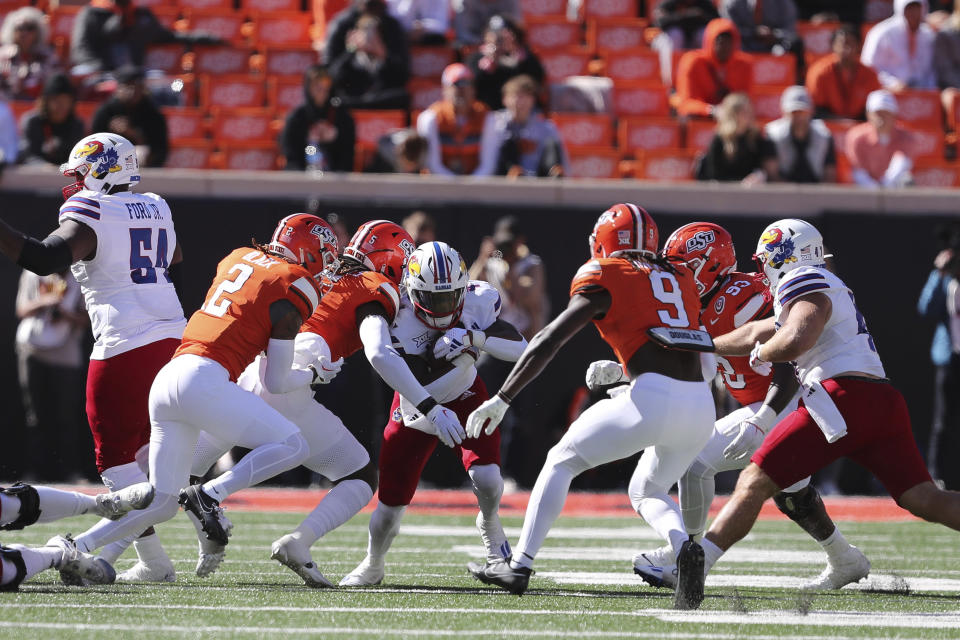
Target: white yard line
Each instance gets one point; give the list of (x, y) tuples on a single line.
[(873, 619), (736, 555)]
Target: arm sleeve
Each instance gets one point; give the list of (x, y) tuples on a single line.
[(489, 147), (504, 349), (377, 346), (279, 375)]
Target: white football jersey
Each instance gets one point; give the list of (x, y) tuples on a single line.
[(481, 308), (128, 292), (845, 344)]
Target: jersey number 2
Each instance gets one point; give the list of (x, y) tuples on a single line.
[(143, 270), (673, 297), (218, 309)]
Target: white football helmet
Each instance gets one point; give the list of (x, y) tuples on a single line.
[(786, 245), (100, 162), (436, 282)]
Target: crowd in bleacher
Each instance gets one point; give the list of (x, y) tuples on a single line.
[(863, 91)]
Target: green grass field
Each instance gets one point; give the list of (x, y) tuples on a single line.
[(584, 587)]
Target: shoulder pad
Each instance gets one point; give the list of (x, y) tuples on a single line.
[(802, 281), (82, 205), (485, 294)]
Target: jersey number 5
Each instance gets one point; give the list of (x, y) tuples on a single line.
[(217, 307), (672, 297), (143, 270)]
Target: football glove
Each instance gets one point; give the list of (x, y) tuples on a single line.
[(455, 341), (603, 373), (750, 434), (447, 424), (487, 416), (757, 363), (326, 373)]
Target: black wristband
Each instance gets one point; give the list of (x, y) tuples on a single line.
[(427, 405), (505, 397), (53, 255)]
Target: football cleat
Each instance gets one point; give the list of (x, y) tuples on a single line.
[(502, 575), (494, 539), (211, 554), (657, 568), (207, 510), (367, 574), (852, 568), (78, 568), (690, 578), (295, 555), (154, 572), (115, 504)]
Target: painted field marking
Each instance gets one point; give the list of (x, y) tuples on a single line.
[(737, 555), (874, 619)]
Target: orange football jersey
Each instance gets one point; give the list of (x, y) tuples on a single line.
[(335, 318), (740, 298), (233, 325), (644, 295)]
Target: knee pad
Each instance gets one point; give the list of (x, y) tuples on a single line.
[(123, 475), (641, 488), (368, 473), (487, 480), (563, 454), (29, 507), (699, 470), (15, 558), (299, 446), (800, 504)]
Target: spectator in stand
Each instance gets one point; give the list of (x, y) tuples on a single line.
[(820, 11), (459, 128), (683, 21), (471, 17), (946, 59), (51, 130), (880, 152), (400, 151), (421, 227), (839, 83), (530, 143), (804, 146), (132, 114), (738, 151), (706, 76), (365, 76), (321, 123), (391, 31), (425, 21), (504, 54), (9, 136), (110, 34), (900, 49), (26, 58), (766, 26)]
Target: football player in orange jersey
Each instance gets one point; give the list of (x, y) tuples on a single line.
[(730, 300), (258, 300), (648, 311)]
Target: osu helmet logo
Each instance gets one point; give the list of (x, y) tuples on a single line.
[(700, 241), (779, 249), (407, 247), (324, 233)]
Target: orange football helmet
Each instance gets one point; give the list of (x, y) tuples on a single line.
[(707, 249), (624, 228), (381, 246), (306, 240)]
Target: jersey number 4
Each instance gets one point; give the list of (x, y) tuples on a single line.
[(218, 303), (672, 297), (143, 267)]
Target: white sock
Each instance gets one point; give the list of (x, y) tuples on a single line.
[(340, 504), (56, 504), (35, 560), (835, 545), (261, 464), (150, 551), (546, 502), (114, 550), (9, 508), (696, 489), (663, 515), (163, 508), (711, 553), (488, 487), (384, 525)]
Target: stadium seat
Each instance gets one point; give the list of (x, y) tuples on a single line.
[(165, 57), (206, 5), (231, 91), (698, 133), (270, 5), (324, 11), (594, 162), (371, 124), (185, 123), (640, 99), (288, 61), (666, 164), (610, 9), (60, 22), (85, 110), (230, 126), (284, 94), (928, 143), (647, 134), (429, 62), (20, 107), (920, 106), (933, 173), (839, 130), (153, 4), (189, 154), (279, 28), (584, 129), (608, 35), (423, 92), (248, 156), (766, 101), (531, 8), (552, 32), (227, 25), (774, 70), (563, 63), (185, 85), (633, 65), (220, 60), (816, 38), (166, 15)]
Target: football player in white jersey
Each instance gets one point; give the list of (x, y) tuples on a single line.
[(443, 323), (848, 408), (122, 248)]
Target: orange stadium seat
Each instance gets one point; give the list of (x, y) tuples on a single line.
[(230, 126), (85, 110), (640, 99), (423, 92), (594, 162), (633, 65), (429, 62), (774, 70), (934, 173), (532, 8), (698, 133), (232, 91), (610, 9), (584, 129), (279, 28), (189, 154), (608, 35), (19, 108), (205, 5), (248, 156), (839, 130), (920, 107), (185, 85), (289, 61), (220, 60), (816, 38), (166, 15), (370, 125), (928, 143), (153, 4), (766, 101), (185, 123), (563, 63), (61, 22), (227, 25), (552, 32), (665, 164), (647, 134), (284, 94), (271, 5), (165, 57)]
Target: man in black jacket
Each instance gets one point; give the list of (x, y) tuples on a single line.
[(132, 114), (320, 129)]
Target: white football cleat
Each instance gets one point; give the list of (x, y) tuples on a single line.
[(494, 539), (658, 568), (154, 572), (115, 504), (295, 555), (78, 568), (211, 554), (852, 568), (366, 574)]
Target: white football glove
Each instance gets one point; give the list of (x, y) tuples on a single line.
[(447, 424), (455, 341), (603, 373), (757, 363), (751, 433), (326, 372), (487, 416)]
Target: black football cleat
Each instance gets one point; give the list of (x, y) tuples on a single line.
[(207, 511), (690, 578), (502, 575)]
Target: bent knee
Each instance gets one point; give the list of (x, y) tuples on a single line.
[(298, 445), (165, 506), (563, 455)]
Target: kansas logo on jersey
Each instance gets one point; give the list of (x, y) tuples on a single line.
[(779, 249)]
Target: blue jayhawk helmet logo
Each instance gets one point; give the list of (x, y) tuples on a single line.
[(109, 162), (779, 249)]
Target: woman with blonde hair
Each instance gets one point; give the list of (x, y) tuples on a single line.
[(738, 151), (26, 58)]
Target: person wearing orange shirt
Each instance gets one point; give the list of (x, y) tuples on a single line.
[(706, 76), (839, 83)]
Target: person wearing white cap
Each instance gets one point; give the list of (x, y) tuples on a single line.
[(880, 152), (900, 48), (805, 151)]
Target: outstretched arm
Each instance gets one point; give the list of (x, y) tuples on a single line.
[(740, 341), (68, 243), (803, 322), (388, 363)]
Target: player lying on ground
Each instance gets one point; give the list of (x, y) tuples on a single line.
[(848, 407), (443, 323), (647, 309)]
